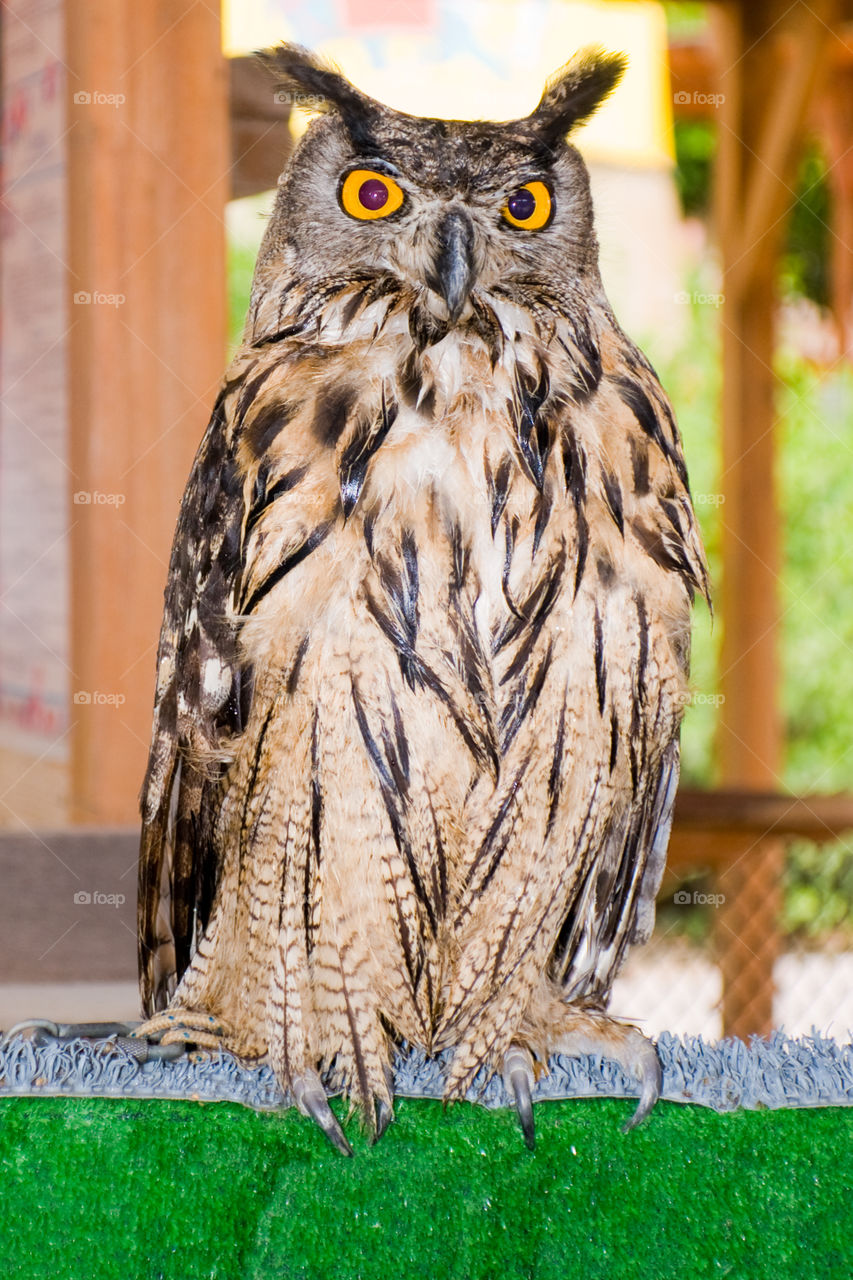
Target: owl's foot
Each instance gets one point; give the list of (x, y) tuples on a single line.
[(310, 1097), (551, 1026), (185, 1026), (519, 1080)]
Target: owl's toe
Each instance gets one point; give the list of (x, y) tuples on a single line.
[(644, 1060), (384, 1116), (551, 1025), (519, 1080), (310, 1097), (184, 1026)]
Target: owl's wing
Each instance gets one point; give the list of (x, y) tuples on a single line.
[(200, 701), (615, 904)]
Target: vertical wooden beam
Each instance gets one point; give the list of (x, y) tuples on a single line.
[(149, 164), (760, 124)]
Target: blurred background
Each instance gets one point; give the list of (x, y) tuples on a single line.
[(141, 145)]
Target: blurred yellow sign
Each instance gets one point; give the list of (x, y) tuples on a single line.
[(482, 59)]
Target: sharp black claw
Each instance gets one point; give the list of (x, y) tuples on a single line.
[(518, 1077), (651, 1079), (384, 1116), (310, 1098)]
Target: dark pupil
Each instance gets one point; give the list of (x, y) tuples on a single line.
[(522, 205), (373, 193)]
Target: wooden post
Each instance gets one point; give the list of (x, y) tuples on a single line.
[(149, 160), (765, 97)]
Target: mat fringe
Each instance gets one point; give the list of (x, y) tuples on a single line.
[(813, 1071)]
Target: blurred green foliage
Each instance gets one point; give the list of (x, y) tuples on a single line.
[(805, 260), (805, 264), (241, 265), (695, 145)]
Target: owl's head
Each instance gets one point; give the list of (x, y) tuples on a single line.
[(446, 211)]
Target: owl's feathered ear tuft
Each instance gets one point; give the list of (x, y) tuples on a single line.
[(575, 91), (309, 82)]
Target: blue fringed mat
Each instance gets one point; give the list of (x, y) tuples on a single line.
[(777, 1072)]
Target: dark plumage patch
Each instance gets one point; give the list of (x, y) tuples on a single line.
[(523, 701), (410, 379), (249, 392), (356, 457), (575, 473), (424, 328), (312, 862), (665, 552), (582, 548), (606, 571), (401, 586), (633, 395), (246, 838), (296, 665), (533, 430), (510, 535), (640, 467), (498, 487), (614, 739), (486, 325), (557, 772), (490, 840), (311, 542), (281, 335), (588, 368), (269, 420), (600, 662), (544, 505), (394, 802), (264, 498), (460, 558), (536, 606), (331, 410), (613, 498), (643, 643), (574, 466)]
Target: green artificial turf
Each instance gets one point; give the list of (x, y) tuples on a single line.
[(135, 1190)]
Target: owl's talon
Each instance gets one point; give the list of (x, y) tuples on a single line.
[(384, 1116), (648, 1071), (519, 1080), (310, 1098)]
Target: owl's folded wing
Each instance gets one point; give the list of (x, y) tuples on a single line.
[(200, 702)]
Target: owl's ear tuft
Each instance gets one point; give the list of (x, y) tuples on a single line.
[(576, 91), (306, 81)]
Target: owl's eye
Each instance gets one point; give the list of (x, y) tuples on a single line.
[(529, 207), (367, 194)]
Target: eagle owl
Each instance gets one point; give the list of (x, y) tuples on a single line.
[(426, 631)]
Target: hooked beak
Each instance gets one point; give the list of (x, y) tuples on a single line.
[(454, 264)]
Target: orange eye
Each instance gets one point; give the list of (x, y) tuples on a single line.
[(529, 207), (367, 194)]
